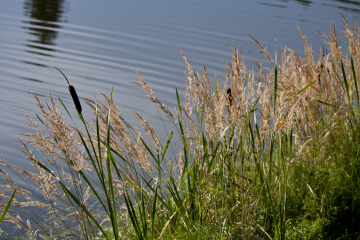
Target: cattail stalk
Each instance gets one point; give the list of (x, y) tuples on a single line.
[(72, 93)]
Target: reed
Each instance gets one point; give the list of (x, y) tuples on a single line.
[(268, 156)]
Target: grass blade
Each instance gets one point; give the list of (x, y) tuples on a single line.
[(68, 192), (346, 82), (307, 86), (7, 207), (166, 146), (328, 104), (354, 76), (153, 213), (133, 216), (275, 78)]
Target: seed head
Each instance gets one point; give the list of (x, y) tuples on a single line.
[(72, 93), (229, 96)]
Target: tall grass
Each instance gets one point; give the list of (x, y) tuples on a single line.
[(267, 156)]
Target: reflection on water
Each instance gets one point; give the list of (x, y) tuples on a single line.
[(273, 5), (345, 5), (45, 13), (348, 2), (304, 2), (307, 2)]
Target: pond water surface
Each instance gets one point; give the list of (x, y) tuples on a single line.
[(100, 44)]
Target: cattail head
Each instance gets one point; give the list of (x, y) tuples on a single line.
[(229, 96), (73, 94), (75, 98)]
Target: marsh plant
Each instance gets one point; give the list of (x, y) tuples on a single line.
[(272, 155)]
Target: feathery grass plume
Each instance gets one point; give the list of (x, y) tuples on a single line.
[(151, 96), (72, 93)]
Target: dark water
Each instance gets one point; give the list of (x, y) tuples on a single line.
[(100, 44)]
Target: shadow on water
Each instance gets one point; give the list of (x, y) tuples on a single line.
[(44, 14)]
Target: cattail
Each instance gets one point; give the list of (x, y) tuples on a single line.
[(72, 93), (229, 96)]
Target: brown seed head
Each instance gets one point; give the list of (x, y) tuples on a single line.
[(72, 93), (229, 95)]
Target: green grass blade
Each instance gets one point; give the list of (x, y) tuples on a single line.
[(7, 207), (136, 186), (117, 154), (148, 149), (153, 213), (339, 40), (307, 86), (98, 142), (64, 107), (182, 135), (111, 198), (275, 78), (163, 201), (254, 105), (111, 203), (133, 216), (246, 78), (337, 76), (166, 147), (178, 101), (179, 201), (112, 159), (69, 193), (328, 104), (156, 161), (354, 76), (142, 212), (39, 119), (346, 82)]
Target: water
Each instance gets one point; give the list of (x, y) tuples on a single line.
[(100, 44)]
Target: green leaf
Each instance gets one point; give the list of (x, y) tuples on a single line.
[(153, 215), (346, 82), (7, 207), (319, 101), (133, 216), (307, 86), (166, 146), (275, 79), (354, 75)]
